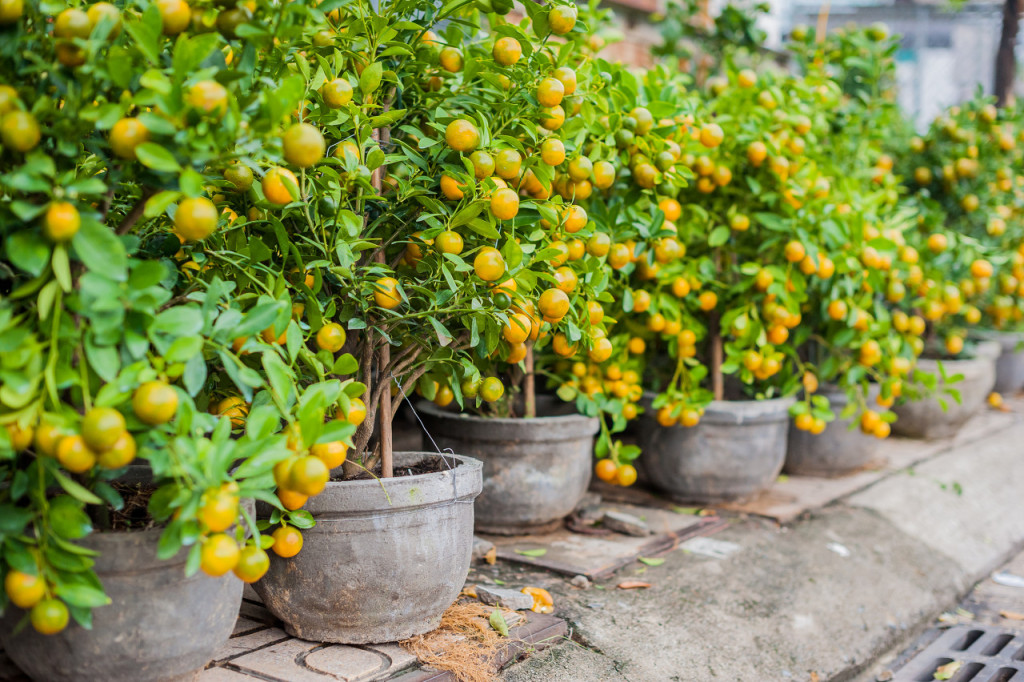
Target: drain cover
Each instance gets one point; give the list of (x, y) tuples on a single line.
[(986, 655)]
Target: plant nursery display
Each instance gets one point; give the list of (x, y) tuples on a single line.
[(235, 237)]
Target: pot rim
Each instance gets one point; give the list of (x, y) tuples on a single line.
[(467, 427), (430, 407), (366, 497), (984, 351)]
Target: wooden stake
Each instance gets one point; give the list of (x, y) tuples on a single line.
[(387, 469), (717, 381), (529, 388)]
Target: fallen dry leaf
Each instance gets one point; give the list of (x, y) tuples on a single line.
[(492, 556), (814, 677), (469, 591), (632, 584), (1011, 615)]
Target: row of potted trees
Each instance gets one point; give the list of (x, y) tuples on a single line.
[(236, 239)]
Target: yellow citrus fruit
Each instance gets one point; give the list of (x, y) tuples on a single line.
[(61, 221), (552, 151), (462, 136), (218, 555), (303, 145), (126, 135), (19, 131), (333, 453), (507, 51), (24, 590), (196, 219), (385, 293), (287, 541), (330, 337), (253, 564), (505, 204), (49, 616), (280, 186), (101, 427), (155, 402), (491, 389), (121, 454), (218, 509), (102, 10), (208, 96), (562, 19), (489, 264), (176, 16), (308, 475)]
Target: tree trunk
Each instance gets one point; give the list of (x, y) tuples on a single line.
[(1006, 62)]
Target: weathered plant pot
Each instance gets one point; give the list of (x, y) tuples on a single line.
[(1010, 363), (385, 559), (736, 451), (160, 627), (837, 450), (927, 419), (535, 470)]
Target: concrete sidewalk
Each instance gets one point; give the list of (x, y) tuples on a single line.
[(819, 600)]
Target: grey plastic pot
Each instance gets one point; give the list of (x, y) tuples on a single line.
[(385, 559), (837, 450), (160, 626), (535, 470), (736, 451), (1010, 363), (927, 419)]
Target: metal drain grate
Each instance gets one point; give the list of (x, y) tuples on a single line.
[(987, 654)]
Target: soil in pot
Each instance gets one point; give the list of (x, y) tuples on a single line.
[(836, 451), (535, 471), (386, 557), (928, 418), (161, 626), (734, 453)]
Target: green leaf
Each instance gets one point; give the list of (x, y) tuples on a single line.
[(651, 561), (531, 552), (346, 364), (85, 596), (498, 622), (76, 490), (29, 251), (67, 518), (370, 80), (61, 267), (159, 202), (156, 157), (719, 236), (101, 251)]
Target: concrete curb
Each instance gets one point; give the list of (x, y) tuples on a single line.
[(819, 600)]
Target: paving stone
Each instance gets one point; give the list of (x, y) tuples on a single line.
[(224, 675), (399, 657), (510, 599), (481, 547), (243, 644), (628, 524), (281, 661), (347, 663), (249, 593), (246, 625), (257, 612)]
